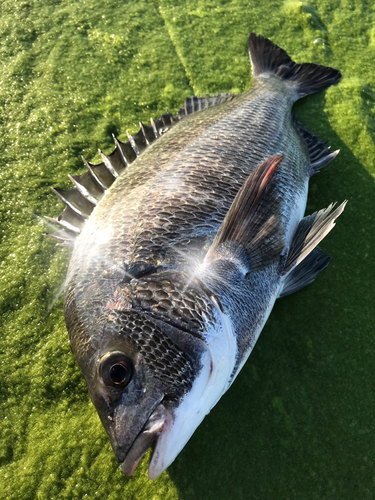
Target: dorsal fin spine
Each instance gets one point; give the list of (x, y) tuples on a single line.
[(88, 166), (149, 133), (118, 146), (156, 133), (132, 143), (71, 217), (65, 225), (83, 191), (65, 194), (64, 240), (108, 164), (89, 185), (67, 203)]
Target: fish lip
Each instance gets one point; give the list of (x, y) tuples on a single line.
[(150, 432)]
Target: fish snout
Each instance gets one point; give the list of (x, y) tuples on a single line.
[(150, 432), (132, 416)]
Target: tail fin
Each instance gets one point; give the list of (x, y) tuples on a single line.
[(266, 57)]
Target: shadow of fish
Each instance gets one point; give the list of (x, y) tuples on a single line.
[(180, 252)]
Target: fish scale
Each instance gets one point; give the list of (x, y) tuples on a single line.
[(184, 237), (191, 177)]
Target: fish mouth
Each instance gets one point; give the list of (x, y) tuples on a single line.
[(150, 432)]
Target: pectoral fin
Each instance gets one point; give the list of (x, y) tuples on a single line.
[(251, 230)]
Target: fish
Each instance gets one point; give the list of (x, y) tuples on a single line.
[(182, 240)]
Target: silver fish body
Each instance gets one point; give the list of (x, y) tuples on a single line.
[(177, 268)]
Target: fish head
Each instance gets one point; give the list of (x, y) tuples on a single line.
[(151, 381), (128, 398)]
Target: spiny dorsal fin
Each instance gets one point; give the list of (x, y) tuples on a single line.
[(267, 58), (305, 273), (91, 186), (165, 122), (75, 200), (310, 232), (251, 223), (320, 154), (101, 173)]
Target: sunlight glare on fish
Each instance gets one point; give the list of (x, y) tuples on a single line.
[(195, 263), (171, 183), (55, 299), (103, 235)]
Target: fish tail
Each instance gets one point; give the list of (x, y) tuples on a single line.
[(269, 59)]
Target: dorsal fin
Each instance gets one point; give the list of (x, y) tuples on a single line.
[(197, 103), (91, 186), (320, 154), (251, 231)]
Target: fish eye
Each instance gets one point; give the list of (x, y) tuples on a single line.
[(115, 370)]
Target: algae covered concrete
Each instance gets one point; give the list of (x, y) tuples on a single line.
[(298, 423)]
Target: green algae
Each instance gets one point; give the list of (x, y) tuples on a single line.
[(298, 422)]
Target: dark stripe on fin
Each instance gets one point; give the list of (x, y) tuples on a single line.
[(305, 273), (250, 224), (310, 232), (320, 154), (268, 58)]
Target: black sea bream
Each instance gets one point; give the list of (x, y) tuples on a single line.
[(183, 238)]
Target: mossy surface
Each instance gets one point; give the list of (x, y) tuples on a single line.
[(298, 423)]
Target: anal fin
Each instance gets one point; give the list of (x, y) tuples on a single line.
[(305, 273), (310, 232)]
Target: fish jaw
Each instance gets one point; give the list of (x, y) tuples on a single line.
[(213, 380), (158, 420), (131, 420)]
